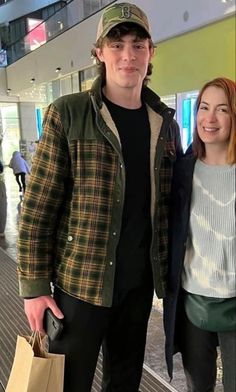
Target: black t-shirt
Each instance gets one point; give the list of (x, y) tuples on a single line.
[(133, 267)]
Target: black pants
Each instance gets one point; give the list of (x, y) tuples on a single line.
[(20, 179), (199, 354), (122, 331)]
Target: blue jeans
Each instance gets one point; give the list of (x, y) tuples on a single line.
[(199, 354)]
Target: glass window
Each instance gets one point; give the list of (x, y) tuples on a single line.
[(66, 86), (9, 130), (169, 100), (55, 89), (87, 77), (92, 6), (185, 116), (75, 82)]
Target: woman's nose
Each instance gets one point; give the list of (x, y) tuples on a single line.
[(211, 115)]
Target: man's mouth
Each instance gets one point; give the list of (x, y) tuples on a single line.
[(129, 69)]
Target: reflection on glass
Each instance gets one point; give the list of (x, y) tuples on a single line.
[(87, 77), (43, 31)]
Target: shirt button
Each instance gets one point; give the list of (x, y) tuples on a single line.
[(70, 238), (111, 263), (114, 233), (121, 166), (117, 200)]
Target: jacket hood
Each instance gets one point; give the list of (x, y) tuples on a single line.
[(16, 154)]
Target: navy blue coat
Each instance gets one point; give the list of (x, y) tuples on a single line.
[(179, 224)]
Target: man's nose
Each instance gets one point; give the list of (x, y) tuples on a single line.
[(129, 54)]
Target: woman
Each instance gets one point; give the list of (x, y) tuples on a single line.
[(200, 306), (3, 202), (20, 168)]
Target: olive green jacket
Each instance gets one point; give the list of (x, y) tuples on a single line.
[(72, 210)]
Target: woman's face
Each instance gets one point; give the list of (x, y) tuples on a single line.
[(213, 118)]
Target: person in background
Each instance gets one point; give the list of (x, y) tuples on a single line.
[(20, 168), (3, 202), (94, 217), (200, 306), (31, 149)]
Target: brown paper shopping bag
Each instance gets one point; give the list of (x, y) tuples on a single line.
[(34, 369)]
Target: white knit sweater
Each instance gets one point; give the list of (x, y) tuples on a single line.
[(210, 260)]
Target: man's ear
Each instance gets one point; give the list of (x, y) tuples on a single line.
[(99, 54), (152, 51)]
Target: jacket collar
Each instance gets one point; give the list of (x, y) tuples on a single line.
[(148, 96)]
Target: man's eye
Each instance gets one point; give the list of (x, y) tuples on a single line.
[(139, 46), (116, 45)]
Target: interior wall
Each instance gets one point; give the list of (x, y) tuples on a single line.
[(185, 63), (71, 50), (169, 18)]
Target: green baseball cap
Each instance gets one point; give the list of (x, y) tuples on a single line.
[(122, 13)]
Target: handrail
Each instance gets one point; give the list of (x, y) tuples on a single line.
[(73, 13)]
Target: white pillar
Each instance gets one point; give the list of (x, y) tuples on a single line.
[(28, 126)]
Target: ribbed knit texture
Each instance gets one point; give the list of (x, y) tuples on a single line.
[(210, 259)]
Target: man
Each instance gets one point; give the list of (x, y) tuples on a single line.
[(94, 220)]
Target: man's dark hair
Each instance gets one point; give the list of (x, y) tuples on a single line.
[(115, 34)]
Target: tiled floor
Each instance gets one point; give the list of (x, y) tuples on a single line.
[(154, 357)]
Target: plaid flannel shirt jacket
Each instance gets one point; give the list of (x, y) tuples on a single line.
[(72, 210)]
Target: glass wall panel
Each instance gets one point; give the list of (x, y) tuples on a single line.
[(9, 130), (55, 89), (169, 100), (184, 105), (92, 6), (66, 87), (69, 15), (185, 116), (75, 82), (87, 77)]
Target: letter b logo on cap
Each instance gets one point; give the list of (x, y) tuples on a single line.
[(125, 12)]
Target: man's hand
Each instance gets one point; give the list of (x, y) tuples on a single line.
[(35, 308)]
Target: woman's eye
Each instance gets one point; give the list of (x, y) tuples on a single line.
[(223, 110)]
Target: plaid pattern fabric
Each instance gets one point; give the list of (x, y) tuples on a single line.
[(72, 209)]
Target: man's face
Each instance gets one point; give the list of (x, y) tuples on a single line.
[(126, 60)]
